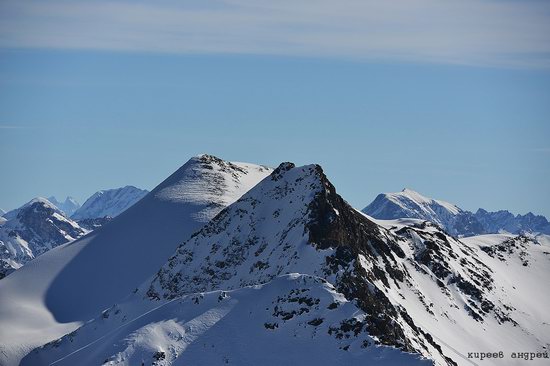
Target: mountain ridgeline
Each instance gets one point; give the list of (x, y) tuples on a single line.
[(32, 230), (108, 203), (43, 224), (272, 267), (456, 221), (418, 294)]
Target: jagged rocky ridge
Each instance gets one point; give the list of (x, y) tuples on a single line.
[(33, 229), (420, 289), (456, 221)]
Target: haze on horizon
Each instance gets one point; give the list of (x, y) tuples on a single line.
[(451, 99)]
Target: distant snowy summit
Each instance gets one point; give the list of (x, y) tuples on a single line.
[(456, 221), (32, 230), (110, 202), (69, 206), (43, 224)]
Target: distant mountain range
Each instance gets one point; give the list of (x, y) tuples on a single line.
[(32, 230), (69, 206), (240, 264), (40, 224), (456, 221)]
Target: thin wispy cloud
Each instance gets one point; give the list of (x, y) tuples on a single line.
[(11, 127), (508, 33)]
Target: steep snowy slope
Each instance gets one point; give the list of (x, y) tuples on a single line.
[(456, 221), (293, 221), (480, 294), (69, 206), (410, 281), (292, 320), (110, 202), (418, 289), (37, 227), (71, 283)]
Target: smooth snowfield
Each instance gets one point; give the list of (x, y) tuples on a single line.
[(240, 327), (72, 283)]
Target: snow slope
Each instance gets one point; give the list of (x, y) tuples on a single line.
[(417, 288), (364, 282), (36, 227), (477, 294), (71, 283), (110, 202), (291, 222), (294, 319)]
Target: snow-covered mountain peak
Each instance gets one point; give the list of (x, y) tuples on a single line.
[(69, 206), (293, 222), (456, 221), (273, 214), (31, 230), (41, 201), (412, 193), (288, 268), (206, 179), (420, 200), (296, 222), (109, 202), (411, 204), (50, 296), (39, 204)]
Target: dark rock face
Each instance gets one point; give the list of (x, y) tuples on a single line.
[(517, 246), (467, 224), (335, 224)]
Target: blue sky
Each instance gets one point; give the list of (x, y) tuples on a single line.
[(116, 102)]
